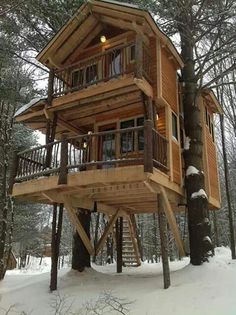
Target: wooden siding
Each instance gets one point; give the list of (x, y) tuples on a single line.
[(153, 53), (176, 162), (213, 169), (169, 80), (210, 161), (161, 123)]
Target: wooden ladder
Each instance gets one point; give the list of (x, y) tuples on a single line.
[(130, 250)]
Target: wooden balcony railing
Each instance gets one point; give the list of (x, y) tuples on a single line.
[(106, 149), (112, 63)]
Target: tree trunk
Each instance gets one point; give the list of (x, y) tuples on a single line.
[(164, 243), (198, 221), (119, 241), (80, 255), (55, 245), (96, 233)]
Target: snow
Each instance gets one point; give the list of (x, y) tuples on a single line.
[(196, 290), (199, 194), (191, 170), (207, 239), (27, 106), (187, 141)]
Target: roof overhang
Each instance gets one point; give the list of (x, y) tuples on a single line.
[(212, 101), (94, 13)]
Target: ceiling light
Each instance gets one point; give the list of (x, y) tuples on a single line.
[(103, 39)]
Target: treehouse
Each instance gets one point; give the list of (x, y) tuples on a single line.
[(113, 122)]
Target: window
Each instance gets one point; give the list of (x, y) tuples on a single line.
[(84, 76), (91, 74), (127, 138), (140, 122), (174, 126), (131, 140), (132, 53), (114, 62), (77, 78)]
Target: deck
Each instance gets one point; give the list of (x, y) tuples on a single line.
[(117, 169)]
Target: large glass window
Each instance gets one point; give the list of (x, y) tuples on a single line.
[(77, 78), (127, 138), (132, 140), (174, 126)]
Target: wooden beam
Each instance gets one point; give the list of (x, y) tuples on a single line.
[(172, 221), (108, 230), (30, 115), (76, 222)]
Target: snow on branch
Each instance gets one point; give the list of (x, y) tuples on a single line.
[(192, 170), (199, 194)]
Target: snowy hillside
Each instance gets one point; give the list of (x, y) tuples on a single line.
[(206, 290)]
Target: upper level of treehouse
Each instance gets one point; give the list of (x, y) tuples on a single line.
[(113, 116)]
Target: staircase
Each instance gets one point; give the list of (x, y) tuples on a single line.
[(131, 256)]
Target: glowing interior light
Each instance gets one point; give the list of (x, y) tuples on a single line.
[(103, 39), (157, 117)]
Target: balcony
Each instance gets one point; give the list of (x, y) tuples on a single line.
[(109, 149), (132, 58)]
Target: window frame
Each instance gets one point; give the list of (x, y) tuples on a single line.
[(136, 135)]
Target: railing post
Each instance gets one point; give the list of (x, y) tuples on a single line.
[(64, 161), (148, 146), (13, 172), (139, 57), (50, 87)]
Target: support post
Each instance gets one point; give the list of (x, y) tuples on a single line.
[(50, 87), (14, 171), (55, 243), (64, 161), (119, 243), (139, 57), (164, 242), (148, 146)]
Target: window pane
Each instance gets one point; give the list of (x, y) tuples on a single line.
[(174, 126), (132, 53), (77, 78), (114, 63), (127, 138), (140, 122), (91, 74)]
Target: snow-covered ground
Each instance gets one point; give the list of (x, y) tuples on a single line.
[(206, 290)]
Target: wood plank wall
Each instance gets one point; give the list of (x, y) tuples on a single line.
[(169, 80), (211, 163)]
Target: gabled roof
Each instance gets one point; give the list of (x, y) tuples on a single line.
[(212, 101), (89, 18)]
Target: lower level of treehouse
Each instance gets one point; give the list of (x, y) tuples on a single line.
[(101, 170)]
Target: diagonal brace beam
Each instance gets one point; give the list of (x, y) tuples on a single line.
[(172, 221), (76, 222), (106, 232)]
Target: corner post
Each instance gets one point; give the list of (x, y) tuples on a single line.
[(139, 57), (50, 87), (64, 161), (148, 146), (14, 171)]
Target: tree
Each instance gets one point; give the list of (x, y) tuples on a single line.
[(197, 22)]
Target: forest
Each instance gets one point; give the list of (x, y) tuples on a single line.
[(204, 34)]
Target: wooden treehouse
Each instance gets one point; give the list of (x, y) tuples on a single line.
[(113, 122)]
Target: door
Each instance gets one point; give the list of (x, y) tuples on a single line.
[(107, 144)]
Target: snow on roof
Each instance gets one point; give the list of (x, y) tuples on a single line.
[(126, 4), (33, 102)]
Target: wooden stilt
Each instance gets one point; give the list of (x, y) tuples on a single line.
[(164, 242), (119, 241), (55, 243)]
